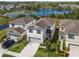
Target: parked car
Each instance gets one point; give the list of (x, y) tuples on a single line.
[(6, 44)]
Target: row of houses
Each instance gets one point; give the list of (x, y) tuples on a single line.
[(69, 5), (11, 7), (35, 31), (38, 30)]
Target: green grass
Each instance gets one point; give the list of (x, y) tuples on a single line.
[(21, 11), (44, 53), (2, 35), (41, 53), (18, 47), (6, 55), (4, 20)]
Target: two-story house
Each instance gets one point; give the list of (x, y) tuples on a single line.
[(69, 31), (40, 30), (17, 28)]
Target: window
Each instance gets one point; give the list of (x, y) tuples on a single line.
[(62, 37), (39, 31), (71, 35), (62, 28), (31, 30), (12, 24)]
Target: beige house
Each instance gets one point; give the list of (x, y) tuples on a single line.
[(69, 31)]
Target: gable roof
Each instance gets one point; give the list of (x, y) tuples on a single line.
[(23, 20), (44, 22), (71, 26)]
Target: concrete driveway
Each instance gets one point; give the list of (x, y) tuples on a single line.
[(2, 50), (30, 50), (74, 51)]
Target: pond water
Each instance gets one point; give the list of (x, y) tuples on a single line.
[(4, 26), (40, 12), (46, 12), (11, 15)]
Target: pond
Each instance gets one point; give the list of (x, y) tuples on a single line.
[(40, 12), (46, 12), (4, 26), (11, 15)]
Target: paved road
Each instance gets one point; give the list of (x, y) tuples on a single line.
[(29, 50)]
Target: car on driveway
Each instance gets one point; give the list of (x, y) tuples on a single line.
[(6, 44)]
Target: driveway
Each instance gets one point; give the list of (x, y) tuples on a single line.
[(30, 50), (2, 50), (74, 51)]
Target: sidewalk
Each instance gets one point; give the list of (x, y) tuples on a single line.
[(12, 53)]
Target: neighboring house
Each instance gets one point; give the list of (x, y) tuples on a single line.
[(42, 29), (16, 33), (23, 22), (17, 27), (69, 31)]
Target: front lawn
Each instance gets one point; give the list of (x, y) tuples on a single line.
[(2, 35), (44, 53), (19, 46), (6, 55)]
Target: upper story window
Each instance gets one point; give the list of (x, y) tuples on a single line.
[(71, 36), (31, 30), (62, 37), (39, 31), (62, 28), (12, 24)]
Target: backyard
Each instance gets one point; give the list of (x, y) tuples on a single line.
[(4, 20)]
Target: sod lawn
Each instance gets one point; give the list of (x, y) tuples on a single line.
[(6, 55), (19, 46), (4, 20), (2, 35)]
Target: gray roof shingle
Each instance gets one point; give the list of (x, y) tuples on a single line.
[(23, 20), (71, 26)]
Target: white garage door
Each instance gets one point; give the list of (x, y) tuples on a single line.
[(37, 40), (74, 51), (13, 37)]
